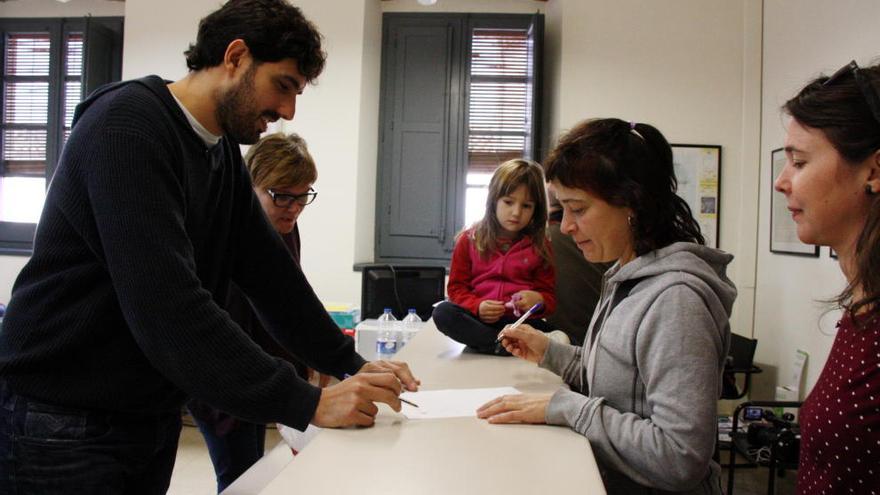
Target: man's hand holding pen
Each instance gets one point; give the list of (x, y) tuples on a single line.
[(401, 371), (351, 402)]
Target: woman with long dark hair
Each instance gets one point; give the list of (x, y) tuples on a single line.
[(831, 181), (645, 383)]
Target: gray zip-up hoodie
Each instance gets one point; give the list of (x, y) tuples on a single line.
[(645, 391)]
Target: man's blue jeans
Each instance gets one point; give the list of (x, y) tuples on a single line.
[(47, 449), (234, 444)]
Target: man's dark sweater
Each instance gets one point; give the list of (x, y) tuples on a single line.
[(142, 230)]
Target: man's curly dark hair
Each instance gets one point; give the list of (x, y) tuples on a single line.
[(272, 29)]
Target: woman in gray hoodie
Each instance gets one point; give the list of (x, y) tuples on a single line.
[(644, 386)]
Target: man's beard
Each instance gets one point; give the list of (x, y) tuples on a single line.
[(237, 111)]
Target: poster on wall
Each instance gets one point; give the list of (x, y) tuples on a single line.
[(783, 229), (698, 170)]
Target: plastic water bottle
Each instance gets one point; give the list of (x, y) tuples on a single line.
[(386, 341), (411, 324), (412, 317)]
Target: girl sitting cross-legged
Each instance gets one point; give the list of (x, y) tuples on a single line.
[(502, 265)]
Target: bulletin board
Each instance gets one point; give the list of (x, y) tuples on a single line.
[(698, 170)]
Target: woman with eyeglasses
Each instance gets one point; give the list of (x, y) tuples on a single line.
[(831, 181), (283, 172)]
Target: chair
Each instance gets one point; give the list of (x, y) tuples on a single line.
[(740, 361), (788, 438), (401, 287)]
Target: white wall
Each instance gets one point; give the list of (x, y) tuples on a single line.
[(689, 67), (368, 142), (157, 33), (338, 117), (800, 43), (11, 265), (552, 75)]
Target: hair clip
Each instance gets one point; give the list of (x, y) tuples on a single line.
[(632, 129)]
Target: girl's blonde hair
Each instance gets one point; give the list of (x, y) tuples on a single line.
[(280, 160), (507, 178)]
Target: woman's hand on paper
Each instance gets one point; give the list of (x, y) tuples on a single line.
[(491, 311), (351, 401), (525, 342), (398, 368), (520, 408)]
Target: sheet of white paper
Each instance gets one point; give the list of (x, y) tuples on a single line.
[(452, 403)]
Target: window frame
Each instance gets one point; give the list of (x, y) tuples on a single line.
[(16, 238), (511, 21), (533, 139), (451, 210)]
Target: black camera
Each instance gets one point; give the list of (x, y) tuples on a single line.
[(779, 434)]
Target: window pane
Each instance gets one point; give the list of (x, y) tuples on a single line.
[(24, 145), (502, 52), (479, 179), (485, 153), (27, 54), (499, 101), (25, 169), (72, 97), (73, 60), (499, 107), (26, 102), (474, 204), (21, 198)]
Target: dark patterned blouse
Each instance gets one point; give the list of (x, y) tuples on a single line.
[(840, 420)]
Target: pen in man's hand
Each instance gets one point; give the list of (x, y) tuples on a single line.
[(408, 402), (521, 319), (346, 376)]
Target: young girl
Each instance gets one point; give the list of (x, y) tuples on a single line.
[(502, 265)]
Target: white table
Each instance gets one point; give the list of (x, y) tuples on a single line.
[(439, 456)]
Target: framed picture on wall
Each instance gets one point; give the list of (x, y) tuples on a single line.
[(698, 169), (783, 229)]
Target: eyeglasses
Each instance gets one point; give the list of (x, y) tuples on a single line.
[(865, 86), (284, 200)]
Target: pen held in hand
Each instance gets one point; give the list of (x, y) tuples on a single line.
[(521, 319), (346, 376)]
